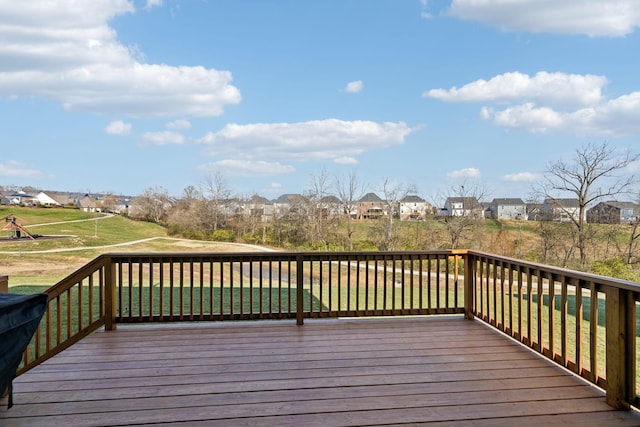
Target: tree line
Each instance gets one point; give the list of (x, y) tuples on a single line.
[(322, 217)]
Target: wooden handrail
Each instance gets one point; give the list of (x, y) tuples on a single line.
[(281, 285), (563, 314), (531, 303), (75, 309)]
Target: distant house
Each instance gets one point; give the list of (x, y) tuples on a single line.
[(462, 206), (260, 208), (330, 206), (287, 201), (413, 207), (561, 210), (54, 199), (370, 206), (22, 198), (291, 205), (535, 212), (613, 212), (231, 207), (123, 204), (508, 208), (88, 204)]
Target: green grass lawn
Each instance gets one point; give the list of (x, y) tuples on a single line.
[(91, 230), (30, 216)]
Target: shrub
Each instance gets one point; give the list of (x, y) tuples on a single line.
[(222, 235), (614, 267)]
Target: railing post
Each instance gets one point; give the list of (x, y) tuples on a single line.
[(469, 285), (621, 335), (4, 284), (299, 290), (109, 294)]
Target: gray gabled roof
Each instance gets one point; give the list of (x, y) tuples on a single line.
[(466, 201), (565, 203), (412, 199), (370, 197), (330, 199), (508, 201), (62, 198), (288, 198), (259, 200), (622, 205)]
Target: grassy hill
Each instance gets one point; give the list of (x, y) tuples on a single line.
[(71, 238)]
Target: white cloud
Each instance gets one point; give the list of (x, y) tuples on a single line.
[(118, 127), (527, 116), (521, 177), (550, 103), (249, 168), (65, 51), (354, 87), (312, 140), (616, 117), (163, 138), (595, 18), (15, 169), (153, 3), (179, 124), (464, 173), (345, 160), (544, 87)]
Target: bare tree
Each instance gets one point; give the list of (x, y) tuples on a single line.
[(291, 224), (217, 193), (595, 173), (109, 203), (152, 205), (349, 190), (183, 217), (393, 193), (632, 243), (466, 211), (321, 209)]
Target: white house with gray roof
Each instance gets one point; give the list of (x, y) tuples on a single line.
[(508, 208), (413, 207), (561, 210)]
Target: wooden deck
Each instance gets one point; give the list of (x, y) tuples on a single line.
[(401, 371)]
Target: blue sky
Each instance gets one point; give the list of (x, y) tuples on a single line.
[(123, 95)]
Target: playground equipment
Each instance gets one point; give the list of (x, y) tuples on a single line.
[(16, 231)]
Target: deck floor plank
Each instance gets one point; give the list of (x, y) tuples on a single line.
[(406, 371)]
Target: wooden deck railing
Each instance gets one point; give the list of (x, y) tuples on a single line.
[(181, 287), (583, 322), (76, 308), (586, 323)]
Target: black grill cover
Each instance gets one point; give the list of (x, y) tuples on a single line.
[(19, 319)]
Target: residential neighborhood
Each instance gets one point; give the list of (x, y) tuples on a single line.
[(83, 201), (368, 207)]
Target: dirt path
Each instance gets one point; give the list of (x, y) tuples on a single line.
[(185, 242), (105, 216)]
